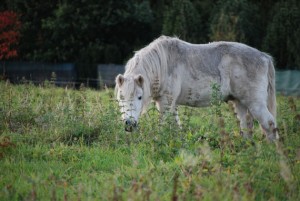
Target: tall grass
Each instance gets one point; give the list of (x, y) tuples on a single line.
[(64, 144)]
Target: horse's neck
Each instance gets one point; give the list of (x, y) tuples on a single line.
[(155, 88)]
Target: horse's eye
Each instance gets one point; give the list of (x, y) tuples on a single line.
[(140, 97)]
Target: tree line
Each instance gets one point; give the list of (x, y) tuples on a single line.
[(108, 31)]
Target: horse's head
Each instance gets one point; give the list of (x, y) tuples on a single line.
[(129, 92)]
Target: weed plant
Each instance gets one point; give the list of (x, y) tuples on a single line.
[(65, 144)]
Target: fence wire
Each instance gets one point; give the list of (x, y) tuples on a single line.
[(103, 75)]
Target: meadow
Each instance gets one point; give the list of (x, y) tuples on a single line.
[(65, 144)]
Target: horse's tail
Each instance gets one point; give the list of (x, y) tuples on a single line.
[(271, 89)]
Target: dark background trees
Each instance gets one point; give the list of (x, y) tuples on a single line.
[(108, 31)]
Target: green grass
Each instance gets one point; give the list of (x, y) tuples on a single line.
[(62, 144)]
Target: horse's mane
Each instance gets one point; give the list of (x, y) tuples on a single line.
[(152, 62), (154, 55)]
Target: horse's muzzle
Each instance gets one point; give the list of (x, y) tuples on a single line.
[(130, 125)]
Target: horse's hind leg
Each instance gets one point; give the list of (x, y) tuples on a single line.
[(245, 118), (259, 111)]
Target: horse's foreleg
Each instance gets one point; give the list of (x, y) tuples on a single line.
[(167, 108), (177, 118)]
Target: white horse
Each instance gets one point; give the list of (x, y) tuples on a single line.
[(173, 72)]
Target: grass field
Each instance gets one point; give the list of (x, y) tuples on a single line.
[(62, 144)]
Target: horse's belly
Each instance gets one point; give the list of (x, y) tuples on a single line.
[(195, 97), (196, 91)]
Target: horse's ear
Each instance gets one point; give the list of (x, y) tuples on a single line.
[(120, 80), (139, 79)]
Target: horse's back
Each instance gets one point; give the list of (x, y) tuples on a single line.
[(244, 71), (239, 69)]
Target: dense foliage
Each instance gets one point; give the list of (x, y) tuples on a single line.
[(108, 31), (9, 34)]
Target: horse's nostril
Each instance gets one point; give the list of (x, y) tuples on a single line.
[(127, 122)]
